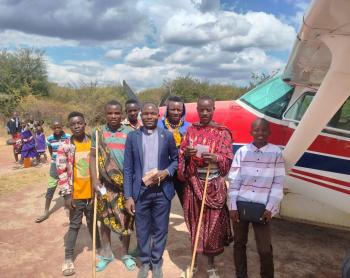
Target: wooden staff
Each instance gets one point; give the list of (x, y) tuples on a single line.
[(95, 213), (200, 220)]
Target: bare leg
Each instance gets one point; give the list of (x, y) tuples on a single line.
[(48, 198), (46, 213), (211, 262), (106, 250), (125, 242), (15, 155)]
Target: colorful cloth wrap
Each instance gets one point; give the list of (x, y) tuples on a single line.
[(111, 206)]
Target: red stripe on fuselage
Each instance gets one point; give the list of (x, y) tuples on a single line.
[(312, 175), (239, 121), (322, 184)]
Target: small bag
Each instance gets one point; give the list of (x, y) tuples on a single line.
[(251, 212)]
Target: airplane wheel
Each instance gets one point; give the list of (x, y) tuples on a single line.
[(346, 267)]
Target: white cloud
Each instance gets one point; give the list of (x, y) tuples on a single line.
[(225, 68), (230, 30), (148, 40), (10, 38), (114, 54), (82, 20), (266, 32), (144, 56)]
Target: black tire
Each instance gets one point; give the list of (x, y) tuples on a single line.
[(346, 267)]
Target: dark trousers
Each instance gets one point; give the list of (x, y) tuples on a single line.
[(263, 241), (179, 188), (152, 220), (84, 206)]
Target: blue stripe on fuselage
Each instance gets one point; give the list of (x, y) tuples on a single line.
[(320, 162)]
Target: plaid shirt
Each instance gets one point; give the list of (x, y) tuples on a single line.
[(257, 175)]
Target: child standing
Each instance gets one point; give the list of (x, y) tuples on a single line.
[(73, 160), (28, 151), (53, 142), (256, 176), (40, 144)]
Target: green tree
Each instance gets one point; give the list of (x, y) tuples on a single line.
[(22, 73)]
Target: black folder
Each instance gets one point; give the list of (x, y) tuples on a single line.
[(251, 212)]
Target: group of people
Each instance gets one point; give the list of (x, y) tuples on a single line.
[(142, 161), (28, 140)]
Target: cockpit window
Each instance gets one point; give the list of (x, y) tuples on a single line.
[(339, 124), (270, 98)]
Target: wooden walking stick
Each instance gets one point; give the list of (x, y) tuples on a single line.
[(95, 213), (190, 275)]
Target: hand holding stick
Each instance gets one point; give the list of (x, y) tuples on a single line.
[(200, 219)]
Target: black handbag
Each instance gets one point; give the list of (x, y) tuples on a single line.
[(251, 212)]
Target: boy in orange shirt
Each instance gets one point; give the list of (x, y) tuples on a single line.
[(75, 184)]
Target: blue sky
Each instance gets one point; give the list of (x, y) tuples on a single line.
[(148, 41)]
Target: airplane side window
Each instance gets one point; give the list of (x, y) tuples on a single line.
[(341, 119), (298, 109), (338, 125), (270, 98)]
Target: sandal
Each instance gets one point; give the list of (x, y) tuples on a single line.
[(103, 262), (185, 274), (213, 273), (129, 262), (68, 268)]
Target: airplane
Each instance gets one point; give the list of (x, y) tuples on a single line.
[(308, 108)]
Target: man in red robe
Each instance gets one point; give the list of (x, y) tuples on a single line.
[(207, 143)]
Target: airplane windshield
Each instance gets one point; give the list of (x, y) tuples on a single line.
[(270, 98)]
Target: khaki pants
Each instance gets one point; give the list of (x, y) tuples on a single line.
[(263, 241)]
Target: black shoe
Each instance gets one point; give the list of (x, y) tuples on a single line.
[(157, 272), (143, 272)]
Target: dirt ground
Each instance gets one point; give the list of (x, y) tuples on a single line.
[(36, 250)]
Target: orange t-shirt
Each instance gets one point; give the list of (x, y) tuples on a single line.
[(81, 171)]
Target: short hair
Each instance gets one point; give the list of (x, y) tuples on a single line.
[(261, 121), (132, 101), (113, 102), (76, 114), (149, 103), (56, 120), (204, 98), (174, 99)]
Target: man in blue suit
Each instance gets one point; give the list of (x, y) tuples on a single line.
[(146, 149)]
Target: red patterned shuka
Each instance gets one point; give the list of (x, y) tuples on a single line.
[(215, 232)]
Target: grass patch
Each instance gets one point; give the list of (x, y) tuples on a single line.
[(22, 179)]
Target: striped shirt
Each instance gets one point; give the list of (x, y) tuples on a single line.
[(114, 140), (257, 175), (54, 142)]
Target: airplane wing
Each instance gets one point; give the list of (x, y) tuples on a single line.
[(320, 59), (129, 93)]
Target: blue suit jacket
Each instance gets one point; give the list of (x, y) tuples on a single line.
[(133, 162)]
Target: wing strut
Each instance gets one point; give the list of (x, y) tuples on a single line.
[(333, 92)]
